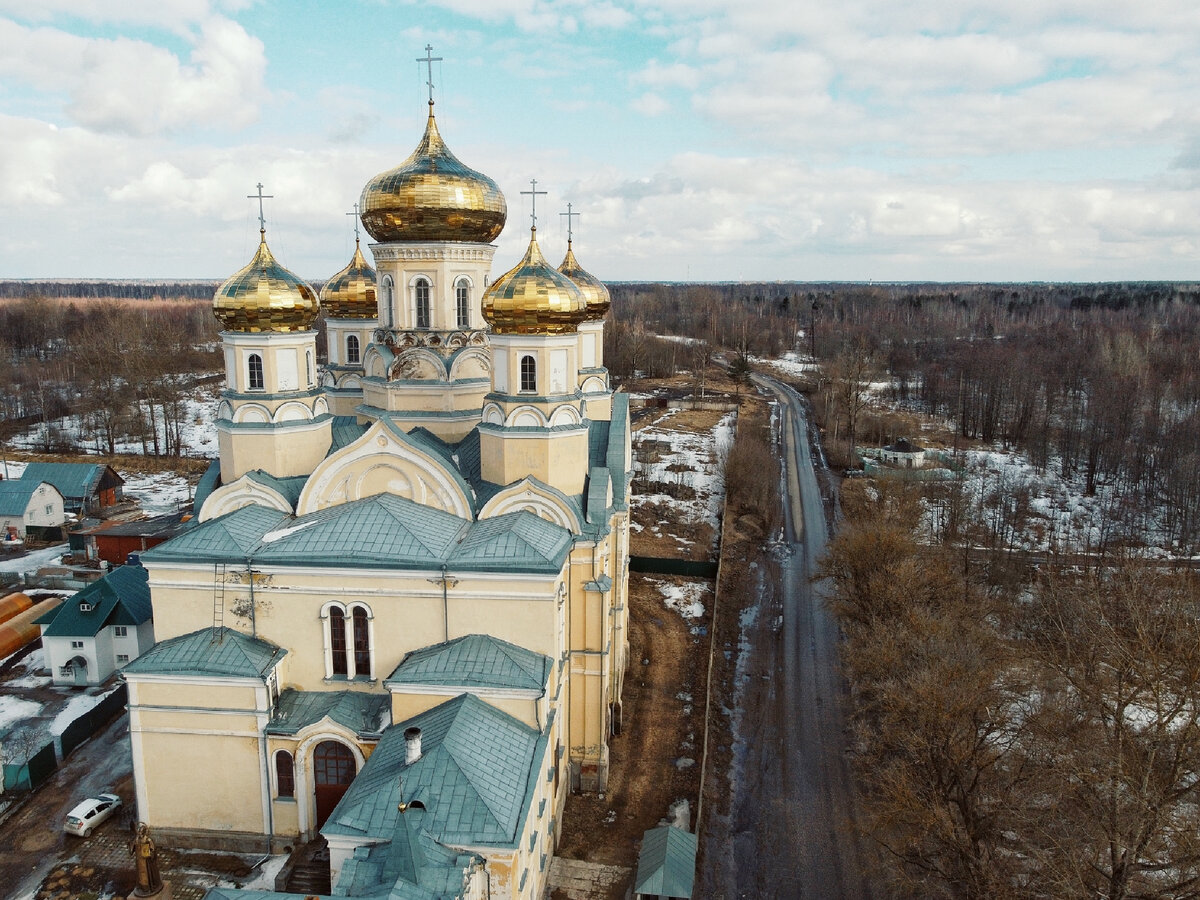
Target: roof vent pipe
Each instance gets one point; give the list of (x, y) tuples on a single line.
[(412, 745)]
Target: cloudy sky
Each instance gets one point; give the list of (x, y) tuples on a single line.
[(699, 139)]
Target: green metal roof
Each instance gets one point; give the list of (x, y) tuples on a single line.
[(73, 480), (122, 597), (344, 430), (599, 480), (474, 779), (474, 661), (667, 863), (288, 488), (210, 651), (364, 714), (15, 495), (411, 866), (209, 482), (382, 531)]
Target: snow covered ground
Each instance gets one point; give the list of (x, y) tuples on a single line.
[(790, 364), (687, 599)]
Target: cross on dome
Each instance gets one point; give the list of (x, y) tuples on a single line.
[(533, 195), (355, 214), (262, 222), (570, 215), (429, 59)]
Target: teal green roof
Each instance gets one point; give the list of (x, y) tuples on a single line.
[(411, 866), (208, 483), (474, 661), (15, 495), (599, 480), (345, 430), (382, 531), (73, 480), (122, 597), (364, 714), (210, 651), (289, 488), (667, 863), (475, 777)]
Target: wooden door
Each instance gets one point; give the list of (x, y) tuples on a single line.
[(333, 770)]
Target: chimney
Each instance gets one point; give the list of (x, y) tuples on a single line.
[(412, 745)]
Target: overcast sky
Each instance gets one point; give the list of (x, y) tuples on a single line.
[(699, 139)]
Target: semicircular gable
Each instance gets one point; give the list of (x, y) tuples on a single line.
[(593, 385), (385, 461), (419, 364), (526, 416), (533, 496), (292, 411), (566, 415), (375, 362), (252, 412), (472, 363), (225, 410), (243, 492)]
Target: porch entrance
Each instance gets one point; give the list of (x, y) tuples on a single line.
[(333, 770)]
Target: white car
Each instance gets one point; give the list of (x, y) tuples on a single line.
[(87, 816)]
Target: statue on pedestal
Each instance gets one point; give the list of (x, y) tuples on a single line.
[(145, 855)]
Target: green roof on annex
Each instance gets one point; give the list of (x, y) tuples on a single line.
[(208, 652), (381, 531), (122, 597), (364, 714), (474, 661), (475, 777)]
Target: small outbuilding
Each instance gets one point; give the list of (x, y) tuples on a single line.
[(904, 454), (100, 629), (114, 541), (86, 487), (666, 864), (31, 509)]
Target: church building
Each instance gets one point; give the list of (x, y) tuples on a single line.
[(398, 618)]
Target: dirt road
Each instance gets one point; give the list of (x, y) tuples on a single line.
[(790, 824)]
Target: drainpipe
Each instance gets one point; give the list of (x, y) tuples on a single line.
[(250, 578), (446, 601)]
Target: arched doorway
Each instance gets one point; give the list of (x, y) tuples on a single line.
[(77, 668), (333, 770)]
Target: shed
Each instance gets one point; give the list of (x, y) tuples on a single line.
[(32, 509), (666, 864), (85, 487), (904, 454), (114, 541)]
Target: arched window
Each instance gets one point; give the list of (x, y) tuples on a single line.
[(387, 301), (462, 302), (362, 642), (285, 775), (352, 349), (337, 641), (421, 291), (255, 366), (528, 374)]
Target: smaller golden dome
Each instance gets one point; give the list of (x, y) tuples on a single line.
[(592, 288), (264, 296), (431, 196), (534, 298), (350, 294)]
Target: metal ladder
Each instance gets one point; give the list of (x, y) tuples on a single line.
[(218, 600)]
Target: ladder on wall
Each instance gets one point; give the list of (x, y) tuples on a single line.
[(218, 600)]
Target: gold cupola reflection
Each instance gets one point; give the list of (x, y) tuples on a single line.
[(432, 196), (264, 296), (534, 298), (350, 294), (594, 292)]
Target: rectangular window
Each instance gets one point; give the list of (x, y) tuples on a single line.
[(76, 645), (122, 658), (120, 631), (49, 509)]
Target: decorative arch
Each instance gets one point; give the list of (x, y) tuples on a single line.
[(419, 364), (525, 416), (293, 411), (320, 407), (593, 385), (493, 414), (225, 411), (348, 640), (252, 412), (384, 460), (566, 415), (308, 741), (536, 497), (246, 491), (386, 306), (474, 362), (349, 382), (376, 361)]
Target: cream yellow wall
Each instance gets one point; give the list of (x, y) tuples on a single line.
[(228, 799), (441, 263), (560, 459), (284, 450), (531, 711), (185, 694)]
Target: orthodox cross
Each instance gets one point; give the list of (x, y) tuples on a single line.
[(533, 195), (570, 215), (355, 214), (429, 59), (262, 222)]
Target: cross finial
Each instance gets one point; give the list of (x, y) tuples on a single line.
[(570, 215), (262, 221), (355, 214), (533, 195), (429, 59)]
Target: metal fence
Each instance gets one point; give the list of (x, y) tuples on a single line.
[(93, 720), (663, 565)]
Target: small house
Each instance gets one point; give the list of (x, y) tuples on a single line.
[(904, 454), (85, 487), (100, 629), (31, 509)]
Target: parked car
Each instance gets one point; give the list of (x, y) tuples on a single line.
[(87, 816)]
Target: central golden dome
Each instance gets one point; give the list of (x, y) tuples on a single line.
[(432, 196), (534, 298), (350, 294), (264, 296)]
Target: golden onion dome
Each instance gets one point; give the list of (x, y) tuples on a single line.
[(264, 296), (350, 294), (534, 298), (594, 292), (432, 196)]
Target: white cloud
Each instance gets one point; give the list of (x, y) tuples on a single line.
[(650, 105)]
